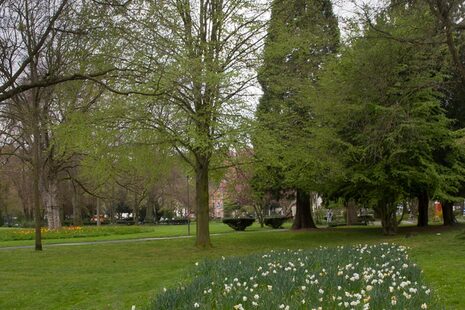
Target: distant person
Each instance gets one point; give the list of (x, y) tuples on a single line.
[(329, 216)]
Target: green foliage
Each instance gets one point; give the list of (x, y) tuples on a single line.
[(231, 208), (335, 204), (276, 221), (381, 97), (234, 209), (292, 150), (328, 278), (115, 150)]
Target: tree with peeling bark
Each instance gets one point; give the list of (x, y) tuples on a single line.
[(301, 36)]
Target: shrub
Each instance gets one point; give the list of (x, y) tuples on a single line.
[(125, 221), (275, 222), (361, 277), (175, 221), (239, 224)]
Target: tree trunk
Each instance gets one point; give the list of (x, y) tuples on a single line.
[(258, 208), (136, 210), (448, 213), (201, 202), (149, 210), (36, 170), (25, 194), (423, 202), (36, 191), (98, 212), (77, 216), (156, 211), (388, 218), (404, 211), (303, 214), (351, 213), (50, 198)]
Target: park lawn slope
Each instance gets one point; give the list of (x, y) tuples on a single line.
[(25, 237), (117, 276)]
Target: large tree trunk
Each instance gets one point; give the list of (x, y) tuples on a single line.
[(351, 213), (51, 203), (202, 202), (75, 201), (448, 213), (303, 214), (36, 163), (36, 187), (388, 218), (423, 202)]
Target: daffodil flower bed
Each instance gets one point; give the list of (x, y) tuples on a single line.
[(360, 277)]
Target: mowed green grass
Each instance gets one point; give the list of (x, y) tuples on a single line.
[(8, 236), (117, 276)]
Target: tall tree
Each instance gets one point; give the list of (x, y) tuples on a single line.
[(443, 28), (384, 102), (44, 44), (301, 35), (200, 56)]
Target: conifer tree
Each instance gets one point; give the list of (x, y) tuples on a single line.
[(301, 35), (382, 97)]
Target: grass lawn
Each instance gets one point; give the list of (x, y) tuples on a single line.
[(116, 276), (18, 237)]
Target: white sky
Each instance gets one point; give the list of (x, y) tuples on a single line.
[(349, 8)]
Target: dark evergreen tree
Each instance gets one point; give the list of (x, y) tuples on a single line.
[(383, 99), (454, 104), (301, 35)]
